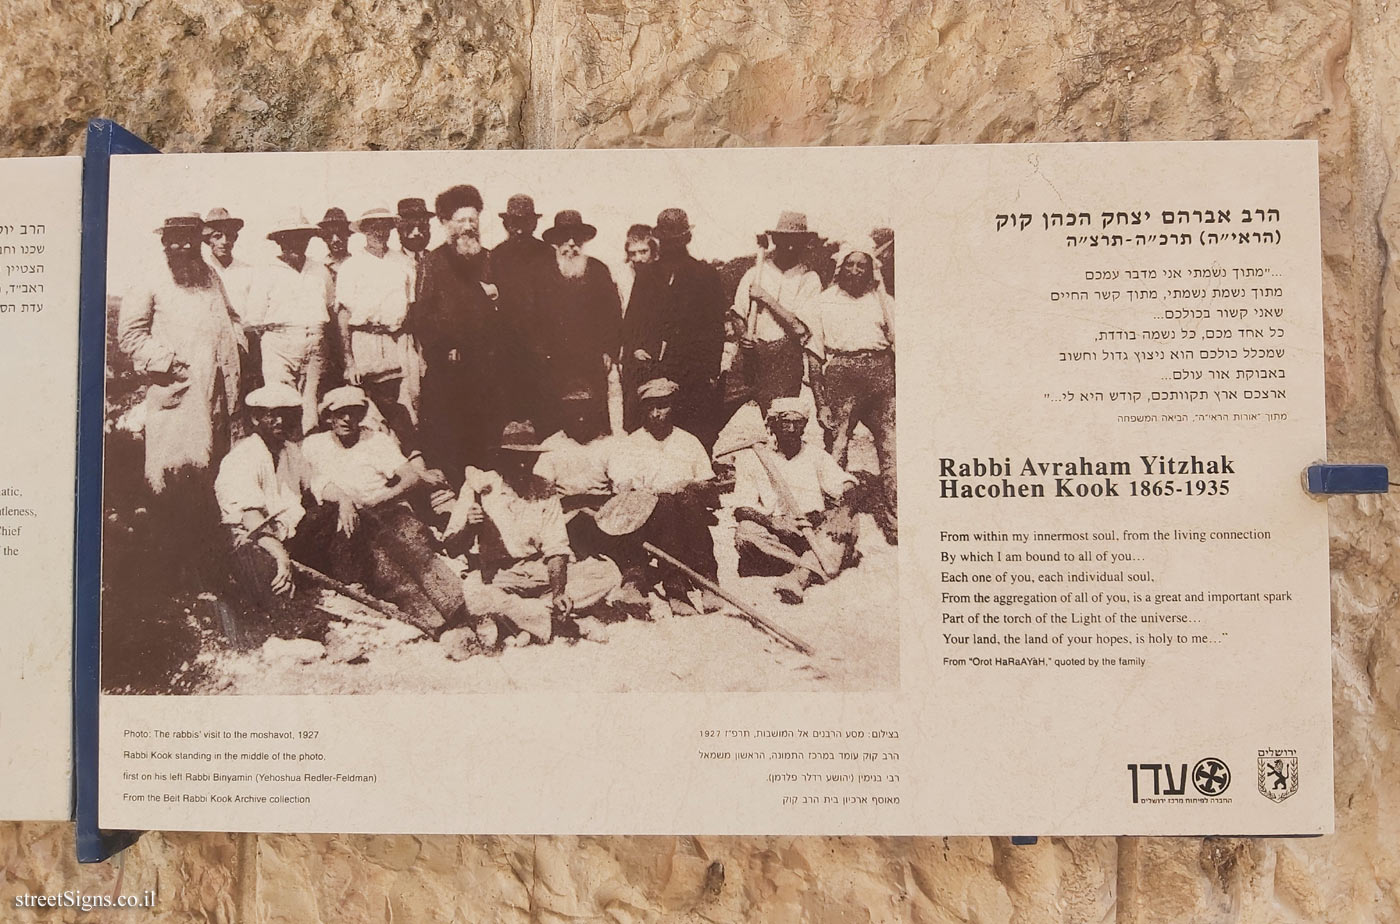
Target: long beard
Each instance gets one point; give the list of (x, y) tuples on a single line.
[(468, 245), (855, 286), (572, 267), (189, 274)]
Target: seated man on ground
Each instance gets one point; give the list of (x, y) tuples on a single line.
[(662, 459), (524, 579), (788, 497), (575, 461), (260, 490), (370, 483)]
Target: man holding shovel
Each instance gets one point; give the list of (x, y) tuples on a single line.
[(794, 514)]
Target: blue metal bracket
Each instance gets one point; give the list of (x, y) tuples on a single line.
[(1329, 478), (105, 138)]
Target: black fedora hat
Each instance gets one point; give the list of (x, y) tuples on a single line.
[(569, 225)]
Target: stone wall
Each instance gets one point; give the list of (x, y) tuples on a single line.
[(191, 75)]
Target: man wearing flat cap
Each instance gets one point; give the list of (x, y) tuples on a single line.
[(457, 327), (771, 305), (525, 576), (373, 291), (662, 459), (578, 314), (789, 494), (369, 482), (291, 309), (674, 327)]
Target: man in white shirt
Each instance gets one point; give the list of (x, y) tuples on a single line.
[(526, 578), (335, 231), (290, 308), (782, 490), (220, 235), (373, 291), (662, 459), (771, 304), (259, 491), (852, 341), (369, 481), (575, 459)]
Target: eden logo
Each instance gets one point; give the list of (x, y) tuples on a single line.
[(1210, 776), (1176, 785)]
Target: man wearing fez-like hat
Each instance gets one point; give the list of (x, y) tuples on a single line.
[(579, 315), (674, 327), (457, 327), (662, 459), (525, 578), (771, 305), (372, 300), (291, 310)]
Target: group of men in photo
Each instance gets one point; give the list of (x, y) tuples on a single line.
[(432, 428)]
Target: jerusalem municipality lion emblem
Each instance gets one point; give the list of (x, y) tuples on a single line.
[(1278, 773)]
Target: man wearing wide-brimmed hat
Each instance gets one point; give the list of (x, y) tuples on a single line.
[(674, 327), (181, 333), (183, 340), (373, 292), (220, 235), (524, 575), (771, 304), (370, 483), (577, 331), (521, 250), (414, 225), (291, 308), (515, 266)]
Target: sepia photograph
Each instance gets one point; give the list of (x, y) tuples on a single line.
[(450, 422)]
